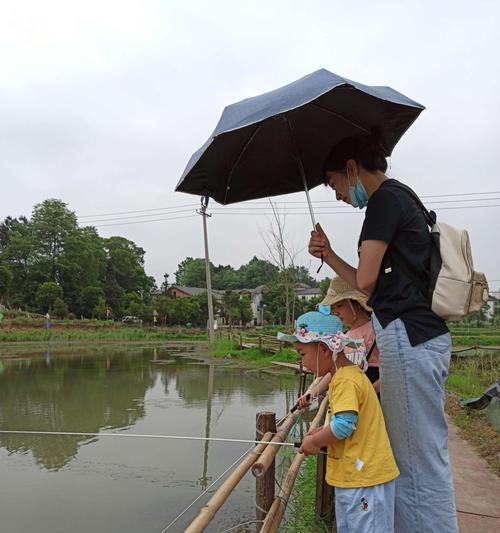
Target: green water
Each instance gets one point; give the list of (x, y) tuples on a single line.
[(62, 484)]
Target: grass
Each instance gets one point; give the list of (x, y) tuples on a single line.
[(224, 347), (302, 514), (114, 334), (469, 377)]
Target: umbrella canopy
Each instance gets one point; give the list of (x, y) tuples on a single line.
[(276, 143)]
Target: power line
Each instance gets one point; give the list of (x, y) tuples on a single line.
[(282, 202), (269, 212), (142, 216), (142, 221), (285, 210), (138, 211)]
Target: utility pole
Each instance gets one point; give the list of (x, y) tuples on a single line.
[(204, 214)]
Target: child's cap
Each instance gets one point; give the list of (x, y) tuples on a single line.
[(341, 290), (313, 327)]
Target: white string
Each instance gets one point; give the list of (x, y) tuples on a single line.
[(242, 524), (137, 435), (206, 490)]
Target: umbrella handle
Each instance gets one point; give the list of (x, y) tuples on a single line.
[(321, 265)]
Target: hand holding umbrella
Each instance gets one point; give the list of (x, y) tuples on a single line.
[(319, 244)]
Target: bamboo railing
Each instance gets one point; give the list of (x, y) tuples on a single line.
[(277, 510)]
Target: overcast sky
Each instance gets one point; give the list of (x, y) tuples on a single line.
[(103, 102)]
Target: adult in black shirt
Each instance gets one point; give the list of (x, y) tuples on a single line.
[(415, 346)]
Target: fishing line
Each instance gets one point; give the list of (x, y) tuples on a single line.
[(137, 435), (206, 490)]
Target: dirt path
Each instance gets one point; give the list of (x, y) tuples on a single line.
[(477, 488)]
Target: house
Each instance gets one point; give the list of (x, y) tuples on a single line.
[(179, 291), (492, 304), (306, 292)]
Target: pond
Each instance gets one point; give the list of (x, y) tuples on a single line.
[(81, 484)]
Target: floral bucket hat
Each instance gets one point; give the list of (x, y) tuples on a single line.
[(313, 326), (316, 326)]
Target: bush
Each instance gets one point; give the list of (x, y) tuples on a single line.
[(59, 308)]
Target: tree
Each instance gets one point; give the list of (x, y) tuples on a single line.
[(257, 272), (60, 309), (91, 296), (324, 284), (230, 306), (47, 294), (6, 279), (282, 255), (51, 223), (245, 309), (191, 273), (83, 264)]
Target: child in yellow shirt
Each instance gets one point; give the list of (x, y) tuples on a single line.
[(360, 464)]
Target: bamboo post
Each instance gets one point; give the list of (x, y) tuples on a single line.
[(266, 459), (264, 485), (241, 341), (260, 344), (324, 492), (221, 495), (275, 514)]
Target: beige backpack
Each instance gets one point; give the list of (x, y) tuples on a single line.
[(455, 289)]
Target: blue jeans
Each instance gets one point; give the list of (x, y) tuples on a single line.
[(412, 382)]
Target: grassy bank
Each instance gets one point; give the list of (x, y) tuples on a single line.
[(118, 334), (301, 515), (469, 377), (224, 348)]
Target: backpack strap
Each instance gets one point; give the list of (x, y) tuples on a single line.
[(370, 351), (398, 259), (430, 216)]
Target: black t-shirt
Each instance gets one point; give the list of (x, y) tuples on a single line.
[(394, 217)]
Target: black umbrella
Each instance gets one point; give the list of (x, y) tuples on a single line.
[(276, 143)]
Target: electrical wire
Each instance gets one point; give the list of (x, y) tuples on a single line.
[(279, 202)]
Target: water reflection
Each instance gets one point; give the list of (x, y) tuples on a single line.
[(105, 392), (147, 390), (70, 394)]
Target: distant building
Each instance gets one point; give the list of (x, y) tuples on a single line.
[(302, 291), (179, 291), (307, 293), (492, 304)]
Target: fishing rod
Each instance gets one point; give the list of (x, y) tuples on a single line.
[(137, 435)]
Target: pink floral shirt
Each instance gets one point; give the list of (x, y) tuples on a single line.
[(365, 332)]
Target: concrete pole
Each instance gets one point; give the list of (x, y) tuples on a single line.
[(203, 213)]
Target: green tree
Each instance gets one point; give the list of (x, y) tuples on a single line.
[(59, 308), (230, 306), (191, 273), (47, 294), (257, 272), (83, 264), (16, 253), (245, 309), (225, 278), (323, 286), (6, 279), (91, 296), (51, 223)]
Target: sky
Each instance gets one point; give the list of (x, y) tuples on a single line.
[(103, 102)]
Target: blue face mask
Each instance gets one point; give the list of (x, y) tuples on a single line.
[(357, 195)]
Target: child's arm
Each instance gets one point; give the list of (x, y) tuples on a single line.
[(317, 387), (376, 386), (342, 426)]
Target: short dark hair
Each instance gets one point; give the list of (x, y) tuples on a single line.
[(366, 150)]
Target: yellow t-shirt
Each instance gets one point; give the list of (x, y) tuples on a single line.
[(365, 458)]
